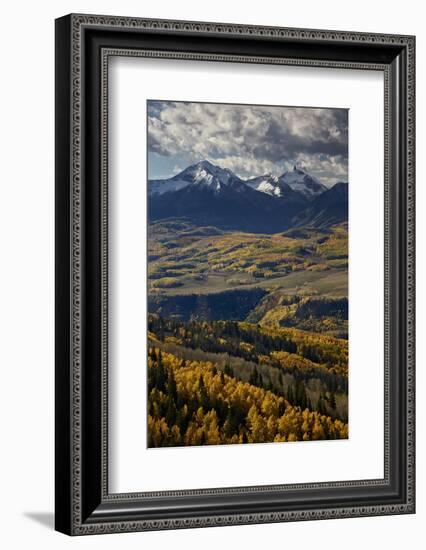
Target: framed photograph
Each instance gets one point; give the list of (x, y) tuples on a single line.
[(234, 274)]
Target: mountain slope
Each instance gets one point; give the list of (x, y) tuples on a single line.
[(203, 173), (209, 195), (302, 182), (327, 209), (224, 206), (271, 185), (206, 194), (265, 184)]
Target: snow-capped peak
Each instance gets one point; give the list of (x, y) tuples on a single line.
[(303, 182), (207, 175), (203, 173)]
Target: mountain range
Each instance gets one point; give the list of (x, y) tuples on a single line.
[(207, 194)]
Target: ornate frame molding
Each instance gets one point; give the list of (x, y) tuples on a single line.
[(71, 43)]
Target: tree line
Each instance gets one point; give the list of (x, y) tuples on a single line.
[(252, 341), (289, 351)]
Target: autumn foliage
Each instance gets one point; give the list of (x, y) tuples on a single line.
[(192, 402)]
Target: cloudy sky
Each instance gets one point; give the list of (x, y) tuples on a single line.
[(250, 140)]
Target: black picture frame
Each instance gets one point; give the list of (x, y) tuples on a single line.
[(83, 45)]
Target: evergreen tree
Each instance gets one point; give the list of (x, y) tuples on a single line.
[(231, 423), (254, 377), (228, 370), (290, 395), (321, 408), (171, 412), (171, 386), (204, 396)]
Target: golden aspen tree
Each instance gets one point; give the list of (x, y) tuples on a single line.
[(317, 431), (212, 429), (271, 428)]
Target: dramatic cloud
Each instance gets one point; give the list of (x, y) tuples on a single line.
[(250, 140)]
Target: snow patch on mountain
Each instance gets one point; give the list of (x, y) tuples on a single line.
[(204, 174), (303, 183), (159, 187), (212, 177), (265, 184)]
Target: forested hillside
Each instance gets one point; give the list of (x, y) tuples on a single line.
[(229, 382)]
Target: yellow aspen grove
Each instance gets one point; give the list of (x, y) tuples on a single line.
[(270, 405), (195, 403)]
